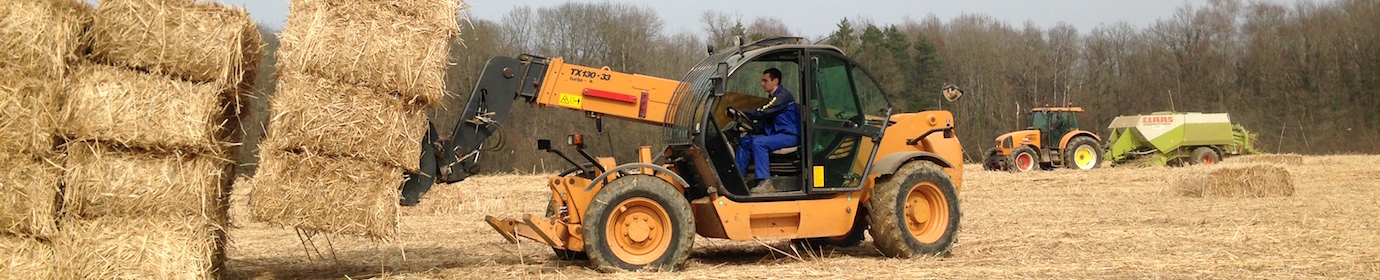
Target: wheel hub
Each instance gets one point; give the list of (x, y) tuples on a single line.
[(638, 229)]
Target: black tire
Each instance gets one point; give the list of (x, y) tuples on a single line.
[(854, 237), (891, 223), (647, 193), (1019, 164), (562, 254), (994, 160), (1071, 154), (1205, 156)]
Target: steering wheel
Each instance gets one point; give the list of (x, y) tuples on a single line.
[(740, 119)]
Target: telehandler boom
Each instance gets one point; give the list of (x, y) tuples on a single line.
[(859, 167)]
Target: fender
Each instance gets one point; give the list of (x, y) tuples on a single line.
[(888, 164), (1067, 136), (637, 166)]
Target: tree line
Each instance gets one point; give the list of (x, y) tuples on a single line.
[(1304, 76)]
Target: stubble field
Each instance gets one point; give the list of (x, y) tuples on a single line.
[(1117, 222)]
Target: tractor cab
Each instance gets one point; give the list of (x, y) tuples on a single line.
[(841, 111), (1053, 123)]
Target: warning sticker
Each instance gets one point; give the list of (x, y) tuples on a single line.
[(570, 100)]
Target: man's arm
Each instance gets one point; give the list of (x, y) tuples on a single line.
[(778, 103)]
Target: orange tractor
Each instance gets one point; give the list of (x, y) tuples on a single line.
[(1052, 140), (858, 168)]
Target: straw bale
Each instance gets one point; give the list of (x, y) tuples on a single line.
[(237, 211), (1234, 180), (41, 37), (29, 195), (139, 248), (25, 258), (397, 47), (107, 181), (28, 113), (190, 40), (1285, 159), (142, 110), (343, 120), (337, 195)]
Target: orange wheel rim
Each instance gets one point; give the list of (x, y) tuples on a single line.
[(1207, 159), (927, 212), (1024, 162), (638, 231)]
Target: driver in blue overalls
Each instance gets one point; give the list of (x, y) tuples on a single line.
[(779, 128)]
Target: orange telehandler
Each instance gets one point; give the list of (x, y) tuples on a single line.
[(859, 167)]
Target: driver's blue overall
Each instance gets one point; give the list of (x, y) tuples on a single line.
[(782, 131)]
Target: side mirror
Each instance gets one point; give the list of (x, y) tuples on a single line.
[(951, 92), (720, 79)]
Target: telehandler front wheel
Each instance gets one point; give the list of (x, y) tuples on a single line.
[(914, 212), (638, 222)]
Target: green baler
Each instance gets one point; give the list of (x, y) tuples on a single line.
[(1164, 137)]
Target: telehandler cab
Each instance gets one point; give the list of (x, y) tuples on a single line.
[(859, 166)]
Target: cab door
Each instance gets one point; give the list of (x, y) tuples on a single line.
[(844, 111)]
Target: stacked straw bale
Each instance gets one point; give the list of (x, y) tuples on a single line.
[(146, 124), (28, 195), (395, 47), (1251, 180), (167, 184), (354, 80), (327, 194), (148, 248), (344, 120), (26, 258), (185, 39), (143, 110), (41, 37)]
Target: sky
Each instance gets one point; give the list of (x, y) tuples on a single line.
[(813, 18)]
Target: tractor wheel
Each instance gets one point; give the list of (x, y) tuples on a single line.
[(1023, 159), (993, 160), (562, 254), (914, 212), (638, 222), (1082, 153), (1205, 156), (854, 237)]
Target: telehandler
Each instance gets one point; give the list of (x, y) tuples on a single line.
[(1052, 140), (859, 167)]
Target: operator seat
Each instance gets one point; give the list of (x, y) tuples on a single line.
[(785, 161)]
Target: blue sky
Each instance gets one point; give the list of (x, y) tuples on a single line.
[(814, 17)]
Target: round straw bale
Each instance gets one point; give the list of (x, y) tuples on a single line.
[(41, 37), (191, 40), (139, 248), (28, 113), (107, 181), (372, 44), (26, 258), (29, 195), (342, 120), (1285, 159), (337, 195), (1234, 180), (142, 110)]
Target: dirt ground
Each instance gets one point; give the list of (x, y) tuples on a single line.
[(1117, 222)]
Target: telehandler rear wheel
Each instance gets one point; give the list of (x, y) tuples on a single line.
[(638, 222), (1023, 159), (1205, 156), (914, 212), (1082, 153)]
